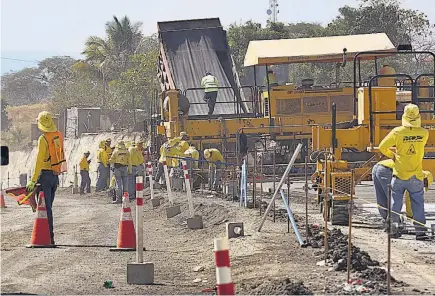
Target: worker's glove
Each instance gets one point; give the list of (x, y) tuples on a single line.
[(30, 186)]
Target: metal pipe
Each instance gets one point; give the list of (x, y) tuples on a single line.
[(292, 219), (334, 128), (261, 182), (254, 183), (308, 232), (389, 241), (287, 171), (349, 243)]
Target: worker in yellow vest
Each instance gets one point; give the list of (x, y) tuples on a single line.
[(136, 159), (102, 168), (85, 182), (215, 160), (193, 154), (272, 79), (409, 140), (211, 86), (120, 160), (50, 163)]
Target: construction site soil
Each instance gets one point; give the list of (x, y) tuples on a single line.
[(266, 262)]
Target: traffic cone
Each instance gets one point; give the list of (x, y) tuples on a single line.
[(41, 231), (2, 200), (126, 233)]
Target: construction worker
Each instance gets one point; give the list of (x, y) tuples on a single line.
[(194, 155), (215, 160), (103, 167), (141, 160), (382, 175), (272, 79), (50, 163), (210, 85), (120, 160), (85, 182), (409, 140), (135, 161), (183, 145), (109, 150)]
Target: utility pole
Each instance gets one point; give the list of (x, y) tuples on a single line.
[(273, 11)]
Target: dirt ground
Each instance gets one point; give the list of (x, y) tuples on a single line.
[(86, 227)]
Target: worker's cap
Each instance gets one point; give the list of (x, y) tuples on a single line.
[(46, 122), (207, 153), (270, 71), (87, 153), (108, 140), (207, 73), (411, 116), (183, 134), (428, 175)]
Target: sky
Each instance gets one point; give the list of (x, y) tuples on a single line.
[(32, 30)]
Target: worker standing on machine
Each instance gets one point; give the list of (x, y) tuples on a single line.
[(50, 163), (409, 140), (215, 160), (382, 174), (210, 85), (121, 161), (272, 79)]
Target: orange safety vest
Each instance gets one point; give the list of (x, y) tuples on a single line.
[(56, 152)]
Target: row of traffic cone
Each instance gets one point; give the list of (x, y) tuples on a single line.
[(126, 233)]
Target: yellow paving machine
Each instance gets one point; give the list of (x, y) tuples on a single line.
[(378, 109)]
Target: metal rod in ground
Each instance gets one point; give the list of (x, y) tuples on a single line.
[(287, 171), (274, 181), (261, 182), (254, 181), (292, 219), (168, 183), (326, 208), (308, 233), (349, 243), (288, 202), (139, 219), (389, 240)]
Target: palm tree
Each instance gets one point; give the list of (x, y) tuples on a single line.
[(110, 55)]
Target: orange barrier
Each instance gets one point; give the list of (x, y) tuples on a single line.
[(126, 233), (41, 231)]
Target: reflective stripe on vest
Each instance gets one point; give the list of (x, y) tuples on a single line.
[(210, 84)]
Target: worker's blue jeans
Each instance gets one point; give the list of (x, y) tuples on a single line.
[(382, 176), (102, 177), (121, 177), (132, 182), (49, 183), (415, 187)]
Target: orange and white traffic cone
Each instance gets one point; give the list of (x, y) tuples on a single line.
[(126, 233), (41, 230), (2, 200)]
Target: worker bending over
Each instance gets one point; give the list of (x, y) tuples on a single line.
[(409, 140), (210, 85), (122, 168), (193, 154), (85, 182), (103, 167), (382, 174), (50, 163), (215, 160)]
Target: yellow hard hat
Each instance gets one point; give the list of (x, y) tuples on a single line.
[(411, 116), (46, 123), (207, 153)]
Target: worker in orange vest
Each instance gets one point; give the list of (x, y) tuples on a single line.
[(50, 163)]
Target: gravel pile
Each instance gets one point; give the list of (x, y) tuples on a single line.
[(283, 286)]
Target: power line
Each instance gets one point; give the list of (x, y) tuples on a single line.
[(19, 60)]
